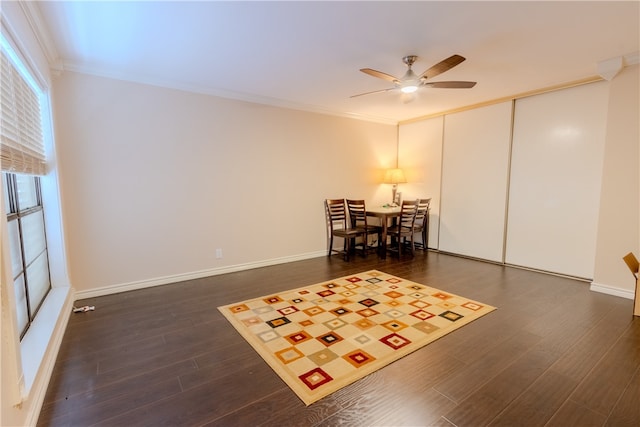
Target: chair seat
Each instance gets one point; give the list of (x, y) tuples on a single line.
[(373, 230), (348, 232), (374, 227), (404, 231)]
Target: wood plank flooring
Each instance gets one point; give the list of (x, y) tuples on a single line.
[(553, 354)]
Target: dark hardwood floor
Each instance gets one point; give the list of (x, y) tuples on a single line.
[(553, 354)]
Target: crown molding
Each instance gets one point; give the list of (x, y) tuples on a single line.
[(42, 34), (568, 85), (221, 93), (609, 68), (631, 59)]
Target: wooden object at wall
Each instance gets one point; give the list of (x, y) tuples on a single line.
[(632, 263)]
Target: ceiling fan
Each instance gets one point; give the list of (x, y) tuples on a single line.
[(410, 82)]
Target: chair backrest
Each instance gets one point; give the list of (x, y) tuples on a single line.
[(408, 212), (632, 262), (423, 211), (357, 213), (336, 213)]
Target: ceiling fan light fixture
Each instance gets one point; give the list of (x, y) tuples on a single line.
[(409, 88), (410, 82)]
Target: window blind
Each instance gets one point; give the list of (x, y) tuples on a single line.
[(21, 139)]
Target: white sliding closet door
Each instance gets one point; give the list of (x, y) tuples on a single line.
[(557, 160), (474, 181)]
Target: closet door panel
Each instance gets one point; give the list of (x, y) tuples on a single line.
[(474, 181), (557, 160)]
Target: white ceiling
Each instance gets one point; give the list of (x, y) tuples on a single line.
[(306, 55)]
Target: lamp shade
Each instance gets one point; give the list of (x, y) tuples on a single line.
[(394, 176)]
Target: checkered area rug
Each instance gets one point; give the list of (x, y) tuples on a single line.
[(322, 337)]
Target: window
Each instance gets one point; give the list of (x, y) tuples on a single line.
[(23, 159), (28, 243)]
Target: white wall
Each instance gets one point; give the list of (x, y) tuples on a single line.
[(420, 155), (155, 180), (619, 219)]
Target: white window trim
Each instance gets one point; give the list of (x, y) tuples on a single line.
[(31, 361)]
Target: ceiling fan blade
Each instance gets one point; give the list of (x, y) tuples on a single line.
[(375, 91), (380, 75), (450, 85), (442, 66)]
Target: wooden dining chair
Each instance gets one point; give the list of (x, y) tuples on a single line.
[(339, 226), (421, 225), (405, 226), (358, 217), (632, 262)]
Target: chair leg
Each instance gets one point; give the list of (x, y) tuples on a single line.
[(330, 245), (425, 232), (347, 248), (365, 244)]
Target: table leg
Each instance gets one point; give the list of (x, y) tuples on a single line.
[(383, 243)]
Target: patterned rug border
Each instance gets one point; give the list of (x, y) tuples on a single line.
[(311, 396)]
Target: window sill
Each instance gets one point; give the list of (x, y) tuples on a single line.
[(39, 346)]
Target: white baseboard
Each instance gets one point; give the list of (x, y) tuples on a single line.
[(124, 287), (609, 290)]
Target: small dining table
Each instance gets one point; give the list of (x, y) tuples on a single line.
[(385, 213)]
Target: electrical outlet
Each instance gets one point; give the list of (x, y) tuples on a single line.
[(218, 253)]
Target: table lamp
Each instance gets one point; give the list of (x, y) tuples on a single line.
[(394, 176)]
